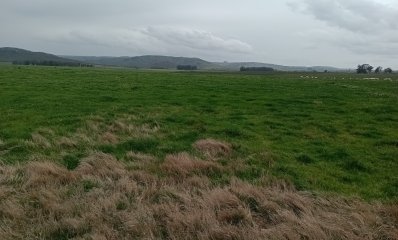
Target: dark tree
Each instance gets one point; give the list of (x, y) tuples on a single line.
[(364, 68), (378, 69), (388, 70), (369, 69)]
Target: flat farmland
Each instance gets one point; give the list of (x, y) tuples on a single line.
[(321, 132)]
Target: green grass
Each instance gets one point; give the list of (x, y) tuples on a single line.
[(332, 134)]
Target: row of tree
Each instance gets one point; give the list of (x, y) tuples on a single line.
[(256, 69), (52, 63), (367, 68), (187, 67)]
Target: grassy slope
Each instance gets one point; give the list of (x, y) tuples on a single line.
[(326, 134)]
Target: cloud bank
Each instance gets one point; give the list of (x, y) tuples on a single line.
[(165, 40), (340, 33), (362, 27)]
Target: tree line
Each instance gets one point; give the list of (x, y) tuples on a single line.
[(367, 68), (256, 69), (187, 67), (51, 63)]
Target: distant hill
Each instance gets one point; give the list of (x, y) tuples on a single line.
[(8, 54), (167, 62), (235, 66)]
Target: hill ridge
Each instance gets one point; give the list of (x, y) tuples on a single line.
[(150, 61), (170, 62), (11, 54)]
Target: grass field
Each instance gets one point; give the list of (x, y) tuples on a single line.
[(123, 154), (333, 133)]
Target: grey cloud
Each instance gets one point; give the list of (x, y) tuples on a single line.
[(363, 16), (232, 30), (198, 39), (361, 27), (155, 39), (361, 44)]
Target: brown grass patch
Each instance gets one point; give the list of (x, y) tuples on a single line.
[(102, 199), (94, 134), (137, 160), (183, 164), (109, 138), (124, 126), (140, 157), (101, 165), (94, 125), (41, 173), (40, 141), (213, 148), (119, 126), (65, 142), (46, 132)]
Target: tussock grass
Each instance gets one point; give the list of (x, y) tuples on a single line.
[(140, 157), (103, 199), (97, 134), (109, 138), (40, 141), (212, 148), (182, 165), (65, 142)]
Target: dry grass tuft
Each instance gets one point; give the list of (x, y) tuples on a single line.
[(94, 124), (101, 165), (183, 165), (213, 148), (65, 142), (46, 132), (124, 126), (222, 199), (37, 157), (94, 134), (41, 173), (109, 138), (139, 157), (102, 199), (199, 182), (390, 213), (40, 141), (137, 160), (119, 126)]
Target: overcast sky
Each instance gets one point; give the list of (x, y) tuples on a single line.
[(340, 33)]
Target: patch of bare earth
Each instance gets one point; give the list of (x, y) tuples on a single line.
[(103, 199)]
